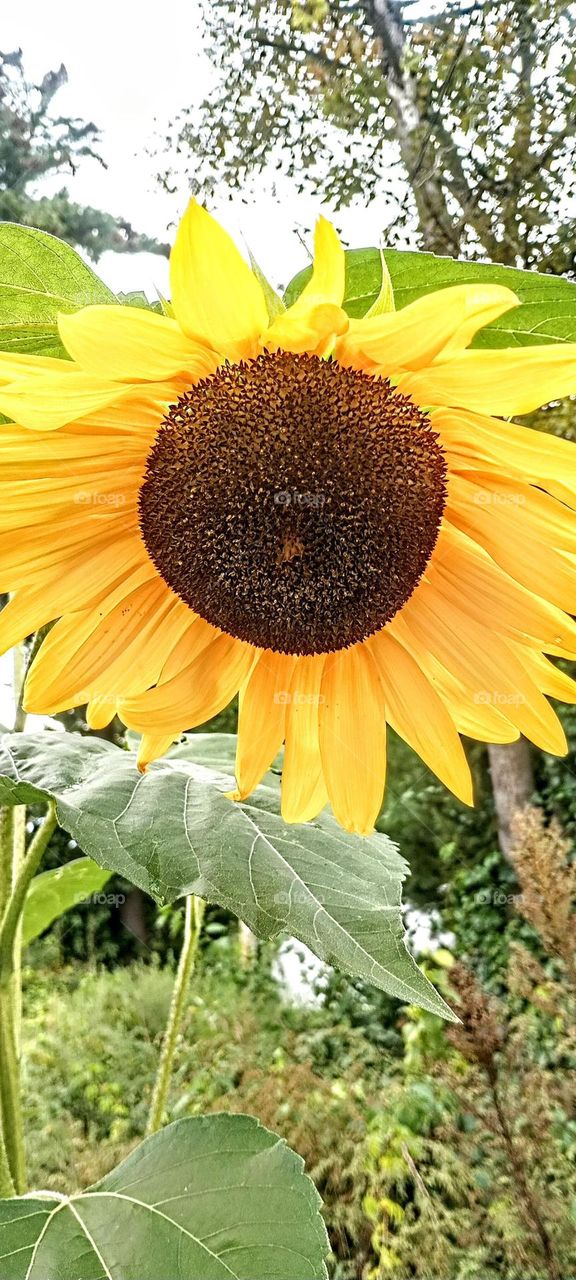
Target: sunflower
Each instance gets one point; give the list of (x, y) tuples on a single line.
[(320, 514)]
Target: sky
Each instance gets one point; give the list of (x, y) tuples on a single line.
[(130, 71)]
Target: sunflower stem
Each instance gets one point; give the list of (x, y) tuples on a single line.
[(22, 663), (6, 853), (10, 1100), (193, 917), (6, 845)]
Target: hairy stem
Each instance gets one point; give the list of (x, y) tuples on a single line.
[(22, 663), (10, 1101), (194, 914), (6, 852), (6, 845)]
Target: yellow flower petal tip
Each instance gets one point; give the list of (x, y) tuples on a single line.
[(306, 532), (215, 294)]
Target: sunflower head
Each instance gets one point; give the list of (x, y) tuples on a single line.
[(320, 514), (292, 502)]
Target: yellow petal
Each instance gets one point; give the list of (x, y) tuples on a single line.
[(485, 302), (187, 648), (416, 712), (464, 573), (100, 712), (262, 718), (216, 297), (50, 400), (13, 366), (503, 382), (385, 302), (39, 455), (472, 717), (303, 788), (129, 343), (102, 499), (328, 270), (313, 331), (496, 499), (412, 337), (198, 692), (353, 737), (314, 321), (520, 538), (116, 650), (83, 580), (478, 440), (485, 663), (553, 682), (151, 747)]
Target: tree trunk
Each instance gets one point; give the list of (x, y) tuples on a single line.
[(436, 224), (512, 785)]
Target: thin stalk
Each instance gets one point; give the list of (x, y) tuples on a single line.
[(20, 670), (22, 664), (194, 914), (6, 845), (6, 848), (10, 1100), (18, 855)]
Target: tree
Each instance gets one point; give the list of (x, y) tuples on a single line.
[(462, 123), (35, 144)]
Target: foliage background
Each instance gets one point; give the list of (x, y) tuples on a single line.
[(435, 1155)]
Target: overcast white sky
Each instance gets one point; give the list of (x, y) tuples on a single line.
[(130, 69)]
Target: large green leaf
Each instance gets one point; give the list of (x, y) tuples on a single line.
[(208, 1198), (218, 751), (173, 831), (548, 303), (40, 276), (53, 892)]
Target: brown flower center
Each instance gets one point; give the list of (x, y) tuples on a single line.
[(293, 503)]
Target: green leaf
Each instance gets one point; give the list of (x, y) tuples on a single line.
[(53, 892), (40, 276), (173, 831), (208, 1198), (274, 303), (137, 298), (213, 750), (548, 303)]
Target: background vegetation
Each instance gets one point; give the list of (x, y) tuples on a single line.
[(442, 1155)]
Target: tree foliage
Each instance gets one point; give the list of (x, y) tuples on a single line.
[(36, 144), (462, 122)]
